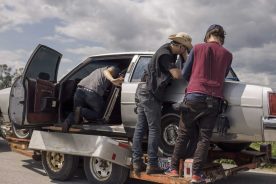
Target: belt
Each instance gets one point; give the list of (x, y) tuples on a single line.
[(86, 89), (200, 97)]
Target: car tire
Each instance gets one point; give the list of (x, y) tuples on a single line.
[(21, 133), (3, 131), (233, 147), (59, 166), (169, 127), (99, 171)]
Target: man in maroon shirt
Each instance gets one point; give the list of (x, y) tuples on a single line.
[(207, 66)]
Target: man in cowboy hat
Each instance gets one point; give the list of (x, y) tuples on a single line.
[(207, 66), (160, 71)]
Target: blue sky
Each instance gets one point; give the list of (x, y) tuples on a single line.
[(81, 28)]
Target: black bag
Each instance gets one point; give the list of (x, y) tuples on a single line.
[(223, 123)]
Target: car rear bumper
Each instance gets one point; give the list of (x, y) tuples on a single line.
[(269, 129)]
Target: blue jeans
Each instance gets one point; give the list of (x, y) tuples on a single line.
[(149, 118), (90, 103)]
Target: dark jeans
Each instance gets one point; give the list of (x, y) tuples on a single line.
[(149, 117), (194, 134), (90, 103)]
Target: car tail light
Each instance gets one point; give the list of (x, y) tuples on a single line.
[(272, 103)]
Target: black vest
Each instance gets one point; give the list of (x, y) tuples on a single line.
[(156, 79)]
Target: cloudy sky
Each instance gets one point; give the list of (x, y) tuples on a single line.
[(81, 28)]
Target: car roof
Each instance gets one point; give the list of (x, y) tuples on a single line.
[(125, 53)]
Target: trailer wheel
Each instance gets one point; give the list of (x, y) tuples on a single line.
[(169, 127), (59, 166), (233, 147), (99, 171)]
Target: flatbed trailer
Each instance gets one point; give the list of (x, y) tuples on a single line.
[(115, 155), (246, 159), (20, 145)]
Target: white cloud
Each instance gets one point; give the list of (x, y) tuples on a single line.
[(58, 38), (16, 13), (109, 26), (123, 25), (66, 60), (256, 65), (88, 51), (14, 59)]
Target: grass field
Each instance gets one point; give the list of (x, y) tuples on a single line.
[(268, 166), (256, 145)]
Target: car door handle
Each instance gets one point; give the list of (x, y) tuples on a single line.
[(21, 102)]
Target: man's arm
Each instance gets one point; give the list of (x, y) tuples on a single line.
[(109, 73), (167, 62), (187, 70), (176, 73)]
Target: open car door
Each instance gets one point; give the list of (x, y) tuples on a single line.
[(33, 98)]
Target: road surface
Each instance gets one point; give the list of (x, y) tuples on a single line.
[(18, 169)]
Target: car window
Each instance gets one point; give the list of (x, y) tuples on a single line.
[(44, 62), (140, 68), (91, 64), (144, 61), (87, 69)]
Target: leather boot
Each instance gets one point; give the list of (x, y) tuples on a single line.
[(65, 126), (154, 170), (139, 167)]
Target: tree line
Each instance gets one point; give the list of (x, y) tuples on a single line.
[(7, 75)]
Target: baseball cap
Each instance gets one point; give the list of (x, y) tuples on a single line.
[(221, 31), (215, 26)]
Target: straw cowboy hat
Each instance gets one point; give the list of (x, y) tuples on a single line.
[(182, 38)]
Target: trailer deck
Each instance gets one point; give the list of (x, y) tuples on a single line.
[(245, 160)]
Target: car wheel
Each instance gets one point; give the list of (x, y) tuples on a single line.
[(3, 133), (169, 127), (233, 147), (3, 129), (59, 166), (99, 171), (21, 133)]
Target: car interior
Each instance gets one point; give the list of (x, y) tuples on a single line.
[(41, 101), (50, 103)]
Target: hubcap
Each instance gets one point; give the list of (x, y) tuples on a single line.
[(55, 161), (170, 134), (100, 169), (21, 133)]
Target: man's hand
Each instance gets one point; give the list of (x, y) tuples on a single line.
[(118, 81), (185, 55)]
